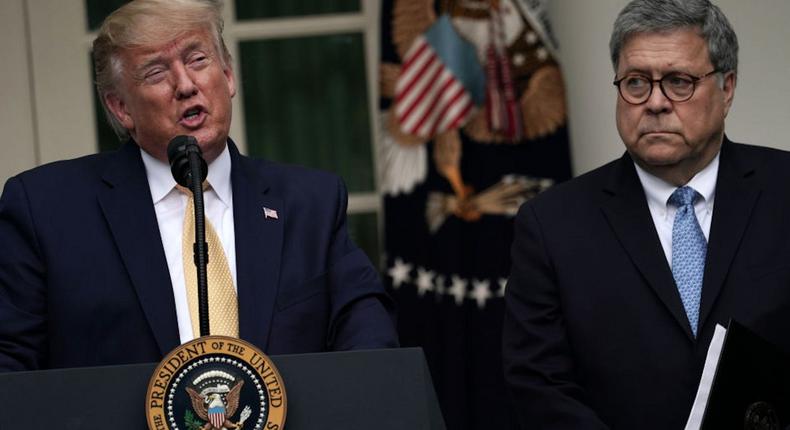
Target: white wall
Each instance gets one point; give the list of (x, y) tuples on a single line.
[(761, 111), (17, 149)]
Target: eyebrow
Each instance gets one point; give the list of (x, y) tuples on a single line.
[(645, 72), (634, 70), (159, 59)]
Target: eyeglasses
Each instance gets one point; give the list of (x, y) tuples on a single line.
[(678, 87)]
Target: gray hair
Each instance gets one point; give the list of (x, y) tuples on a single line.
[(150, 23), (657, 16)]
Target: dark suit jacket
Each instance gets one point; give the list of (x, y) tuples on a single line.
[(84, 279), (595, 334)]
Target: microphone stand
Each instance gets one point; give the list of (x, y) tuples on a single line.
[(200, 247)]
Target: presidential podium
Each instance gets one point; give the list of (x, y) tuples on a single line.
[(375, 389)]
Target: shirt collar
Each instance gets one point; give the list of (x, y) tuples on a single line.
[(658, 190), (219, 177), (161, 182)]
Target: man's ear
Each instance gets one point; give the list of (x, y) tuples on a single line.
[(728, 87), (117, 107), (231, 79)]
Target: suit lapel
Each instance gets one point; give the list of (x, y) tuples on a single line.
[(628, 214), (736, 195), (259, 242), (126, 203)]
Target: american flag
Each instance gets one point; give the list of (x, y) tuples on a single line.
[(441, 80), (269, 213)]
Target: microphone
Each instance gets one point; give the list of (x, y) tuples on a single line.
[(187, 163), (183, 152)]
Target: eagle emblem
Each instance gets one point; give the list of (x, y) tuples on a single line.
[(215, 401), (215, 383)]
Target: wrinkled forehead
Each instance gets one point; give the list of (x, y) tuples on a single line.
[(152, 34), (668, 50), (134, 59), (176, 44)]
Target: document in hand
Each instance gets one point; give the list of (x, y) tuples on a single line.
[(745, 384)]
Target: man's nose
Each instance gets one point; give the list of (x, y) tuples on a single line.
[(184, 83), (658, 102)]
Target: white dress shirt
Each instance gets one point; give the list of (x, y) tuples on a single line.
[(170, 204), (658, 191)]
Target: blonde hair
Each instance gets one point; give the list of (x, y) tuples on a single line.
[(141, 23)]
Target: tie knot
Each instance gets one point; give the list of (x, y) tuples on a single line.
[(188, 192), (683, 196)]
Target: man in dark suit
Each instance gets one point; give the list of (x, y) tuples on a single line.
[(91, 264), (620, 276)]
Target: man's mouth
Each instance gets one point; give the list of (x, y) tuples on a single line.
[(654, 132), (193, 117)]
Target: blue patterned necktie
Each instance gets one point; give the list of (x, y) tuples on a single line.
[(688, 252)]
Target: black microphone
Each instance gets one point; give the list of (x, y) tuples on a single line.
[(181, 151), (186, 163)]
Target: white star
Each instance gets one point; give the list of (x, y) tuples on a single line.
[(399, 273), (424, 281), (480, 292), (531, 38), (458, 289), (519, 60), (502, 286), (542, 54)]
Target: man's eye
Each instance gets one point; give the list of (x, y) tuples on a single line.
[(154, 74), (635, 82), (199, 60), (677, 81)]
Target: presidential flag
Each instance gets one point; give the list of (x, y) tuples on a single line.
[(452, 187)]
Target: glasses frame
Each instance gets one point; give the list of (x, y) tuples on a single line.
[(660, 82)]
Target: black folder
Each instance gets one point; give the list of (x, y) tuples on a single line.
[(751, 386)]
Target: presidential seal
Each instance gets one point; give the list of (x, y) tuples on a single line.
[(761, 416), (216, 383)]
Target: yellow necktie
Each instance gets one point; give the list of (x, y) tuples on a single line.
[(223, 306)]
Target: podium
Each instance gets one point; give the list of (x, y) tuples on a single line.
[(375, 389)]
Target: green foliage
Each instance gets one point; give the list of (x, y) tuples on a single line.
[(191, 422)]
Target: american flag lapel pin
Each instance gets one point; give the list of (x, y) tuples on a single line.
[(269, 213)]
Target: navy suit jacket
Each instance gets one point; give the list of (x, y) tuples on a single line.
[(84, 279), (595, 333)]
